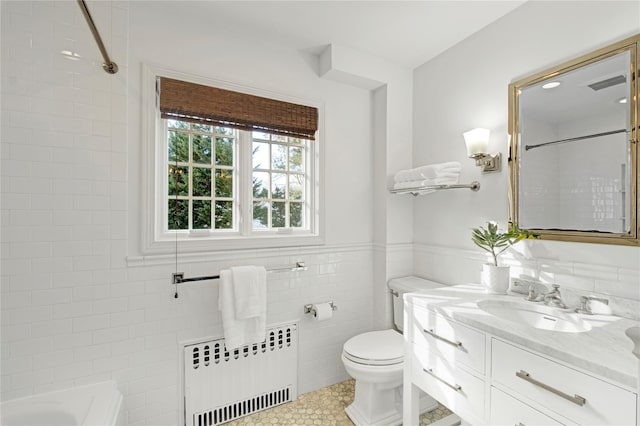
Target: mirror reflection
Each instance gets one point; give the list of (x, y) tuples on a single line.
[(573, 160)]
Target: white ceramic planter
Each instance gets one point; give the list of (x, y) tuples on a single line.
[(495, 279)]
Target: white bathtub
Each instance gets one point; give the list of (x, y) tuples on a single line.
[(91, 405)]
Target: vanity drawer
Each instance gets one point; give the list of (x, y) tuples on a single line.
[(508, 411), (458, 390), (452, 340), (568, 392)]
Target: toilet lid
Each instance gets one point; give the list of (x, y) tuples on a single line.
[(384, 347)]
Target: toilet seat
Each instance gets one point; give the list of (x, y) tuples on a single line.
[(385, 347)]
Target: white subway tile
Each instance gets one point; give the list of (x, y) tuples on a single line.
[(90, 322), (30, 314), (52, 359), (51, 328), (71, 310), (16, 365), (30, 346), (112, 334), (30, 379), (51, 296), (73, 371), (15, 332), (92, 352), (74, 340)]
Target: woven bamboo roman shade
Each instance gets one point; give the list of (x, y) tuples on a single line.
[(181, 100)]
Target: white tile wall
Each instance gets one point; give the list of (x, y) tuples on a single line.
[(73, 311), (621, 286)]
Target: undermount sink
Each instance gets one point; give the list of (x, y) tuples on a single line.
[(535, 315)]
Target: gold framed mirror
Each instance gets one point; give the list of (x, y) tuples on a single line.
[(573, 150)]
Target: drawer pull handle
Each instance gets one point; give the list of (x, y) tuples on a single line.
[(576, 399), (456, 388), (444, 339)]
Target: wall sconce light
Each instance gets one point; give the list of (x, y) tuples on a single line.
[(477, 141)]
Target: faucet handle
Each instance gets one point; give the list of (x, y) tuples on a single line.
[(584, 306), (597, 299), (531, 297)]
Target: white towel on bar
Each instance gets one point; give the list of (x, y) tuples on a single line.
[(249, 283), (240, 332), (430, 171)]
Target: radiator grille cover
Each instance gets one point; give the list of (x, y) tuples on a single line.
[(222, 385)]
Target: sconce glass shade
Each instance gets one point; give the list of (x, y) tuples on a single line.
[(477, 141)]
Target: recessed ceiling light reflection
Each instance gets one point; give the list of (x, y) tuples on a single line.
[(622, 100), (551, 85)]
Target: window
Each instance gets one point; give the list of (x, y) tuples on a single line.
[(230, 179)]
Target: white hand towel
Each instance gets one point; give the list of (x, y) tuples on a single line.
[(239, 332), (430, 171), (248, 287)]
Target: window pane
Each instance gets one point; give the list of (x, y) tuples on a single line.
[(279, 186), (201, 149), (201, 182), (260, 215), (201, 214), (260, 135), (278, 157), (278, 214), (296, 187), (178, 215), (278, 138), (201, 127), (295, 211), (178, 146), (224, 183), (224, 130), (224, 214), (175, 124), (260, 185), (178, 180), (296, 159), (224, 151), (260, 155)]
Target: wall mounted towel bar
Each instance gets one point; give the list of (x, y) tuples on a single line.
[(419, 190), (178, 277)]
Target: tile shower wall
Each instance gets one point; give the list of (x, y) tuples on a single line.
[(73, 311)]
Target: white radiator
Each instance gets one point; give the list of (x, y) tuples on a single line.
[(220, 386)]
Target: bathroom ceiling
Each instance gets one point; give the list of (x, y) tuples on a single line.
[(407, 33)]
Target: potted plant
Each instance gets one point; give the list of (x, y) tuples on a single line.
[(495, 278)]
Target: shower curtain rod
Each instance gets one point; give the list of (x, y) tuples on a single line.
[(109, 66), (577, 138)]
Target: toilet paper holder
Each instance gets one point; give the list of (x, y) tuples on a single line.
[(308, 308)]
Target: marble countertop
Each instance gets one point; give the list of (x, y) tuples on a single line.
[(604, 350)]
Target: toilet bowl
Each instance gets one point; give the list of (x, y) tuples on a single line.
[(376, 360)]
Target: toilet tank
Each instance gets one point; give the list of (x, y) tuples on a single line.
[(402, 285)]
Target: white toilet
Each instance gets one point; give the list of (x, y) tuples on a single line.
[(376, 359)]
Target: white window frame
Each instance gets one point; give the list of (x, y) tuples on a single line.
[(157, 240)]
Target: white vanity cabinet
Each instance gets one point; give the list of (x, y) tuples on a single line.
[(486, 379), (448, 361), (561, 390)]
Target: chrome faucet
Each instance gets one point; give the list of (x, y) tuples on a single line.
[(585, 305), (554, 298)]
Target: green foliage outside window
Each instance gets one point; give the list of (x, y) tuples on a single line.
[(199, 181)]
